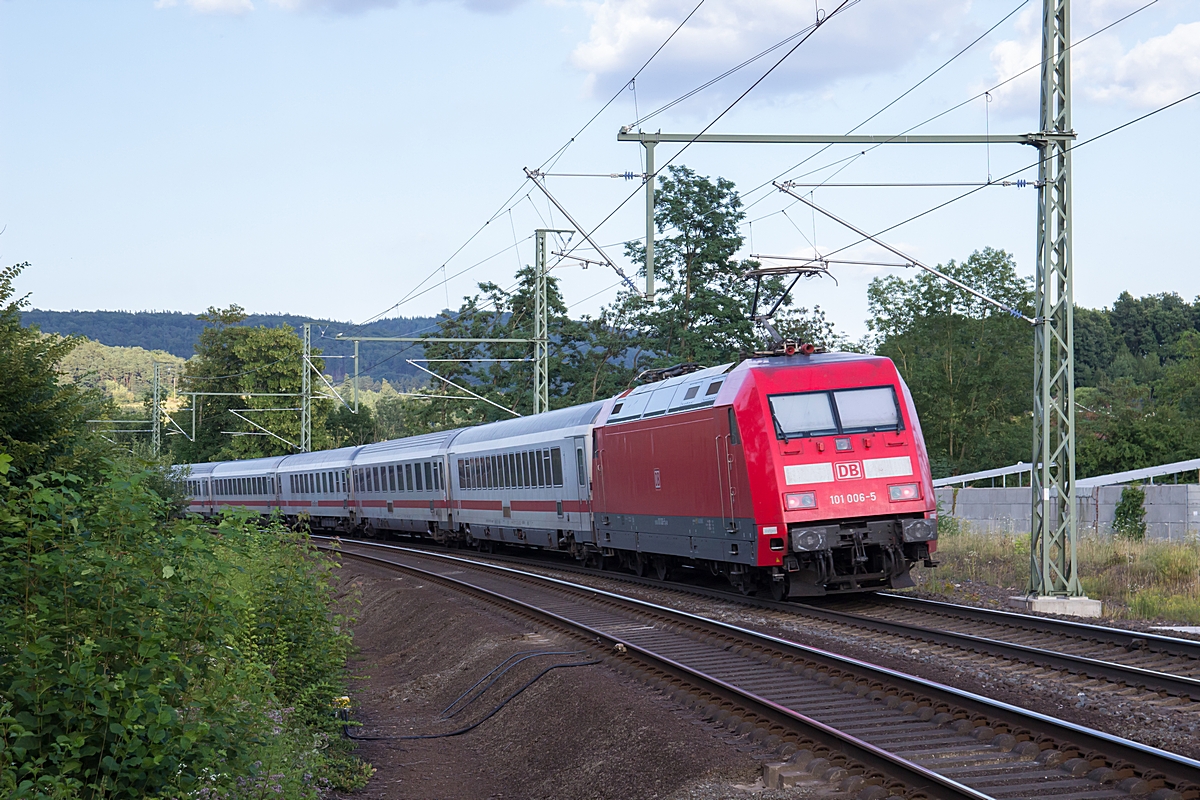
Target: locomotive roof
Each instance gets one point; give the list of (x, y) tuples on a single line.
[(563, 418), (698, 375)]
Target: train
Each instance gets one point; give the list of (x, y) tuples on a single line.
[(798, 475)]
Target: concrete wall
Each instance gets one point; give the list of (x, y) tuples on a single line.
[(1172, 510)]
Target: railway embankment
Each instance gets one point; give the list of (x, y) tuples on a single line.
[(1168, 721), (425, 657)]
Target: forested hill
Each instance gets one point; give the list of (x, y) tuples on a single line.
[(176, 332)]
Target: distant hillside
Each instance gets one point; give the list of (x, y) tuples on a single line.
[(177, 333), (123, 373)]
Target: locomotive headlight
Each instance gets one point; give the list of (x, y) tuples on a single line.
[(808, 540), (798, 501), (904, 491)]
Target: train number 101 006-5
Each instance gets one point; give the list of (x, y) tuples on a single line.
[(860, 497)]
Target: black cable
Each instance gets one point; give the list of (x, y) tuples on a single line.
[(558, 153), (959, 105), (840, 8), (900, 97), (524, 656), (720, 77), (474, 725), (554, 157), (1069, 149)]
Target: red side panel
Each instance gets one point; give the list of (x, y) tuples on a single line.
[(681, 465)]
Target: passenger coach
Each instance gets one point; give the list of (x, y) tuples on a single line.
[(797, 474)]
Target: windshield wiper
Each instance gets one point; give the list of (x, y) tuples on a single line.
[(779, 428)]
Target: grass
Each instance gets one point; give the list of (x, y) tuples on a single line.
[(1147, 580)]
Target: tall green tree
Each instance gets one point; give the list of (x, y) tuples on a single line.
[(43, 421), (701, 307), (969, 365), (233, 359)]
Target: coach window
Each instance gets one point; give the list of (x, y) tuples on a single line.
[(556, 466), (438, 477), (539, 469), (391, 481), (523, 468), (429, 476), (579, 466), (417, 472)]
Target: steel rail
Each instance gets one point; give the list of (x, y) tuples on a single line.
[(1130, 640), (1154, 680), (917, 778), (1179, 770), (1180, 685)]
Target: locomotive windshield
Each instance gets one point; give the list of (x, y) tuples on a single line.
[(798, 416)]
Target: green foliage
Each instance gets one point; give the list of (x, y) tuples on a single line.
[(42, 422), (1129, 518), (177, 333), (124, 374), (141, 657), (234, 358), (967, 364), (702, 303)]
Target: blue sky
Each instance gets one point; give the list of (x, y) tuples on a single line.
[(324, 157)]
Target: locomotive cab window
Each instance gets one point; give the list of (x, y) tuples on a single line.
[(842, 411), (865, 410)]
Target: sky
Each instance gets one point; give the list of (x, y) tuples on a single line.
[(347, 159)]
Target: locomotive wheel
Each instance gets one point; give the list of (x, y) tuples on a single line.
[(661, 570), (779, 589), (640, 565)]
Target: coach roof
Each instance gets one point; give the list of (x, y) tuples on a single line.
[(563, 418)]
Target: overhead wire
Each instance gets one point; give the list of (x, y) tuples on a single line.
[(957, 106), (551, 160), (970, 192), (842, 6)]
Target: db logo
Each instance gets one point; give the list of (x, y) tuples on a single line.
[(848, 471)]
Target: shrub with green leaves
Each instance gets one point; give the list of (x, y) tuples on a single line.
[(1129, 518), (143, 656)]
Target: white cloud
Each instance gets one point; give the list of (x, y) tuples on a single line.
[(1154, 72), (861, 40), (1151, 73)]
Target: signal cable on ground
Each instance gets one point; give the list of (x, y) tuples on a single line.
[(477, 723)]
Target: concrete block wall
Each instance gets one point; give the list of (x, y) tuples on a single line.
[(1172, 510)]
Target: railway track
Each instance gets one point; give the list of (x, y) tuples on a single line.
[(876, 732), (1161, 670)]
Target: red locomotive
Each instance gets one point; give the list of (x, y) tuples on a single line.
[(801, 474), (798, 474)]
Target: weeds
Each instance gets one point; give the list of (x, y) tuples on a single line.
[(1138, 579)]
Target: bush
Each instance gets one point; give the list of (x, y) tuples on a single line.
[(1129, 519), (148, 657)]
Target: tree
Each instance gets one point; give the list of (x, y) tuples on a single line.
[(967, 364), (701, 309), (234, 359), (43, 423)]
